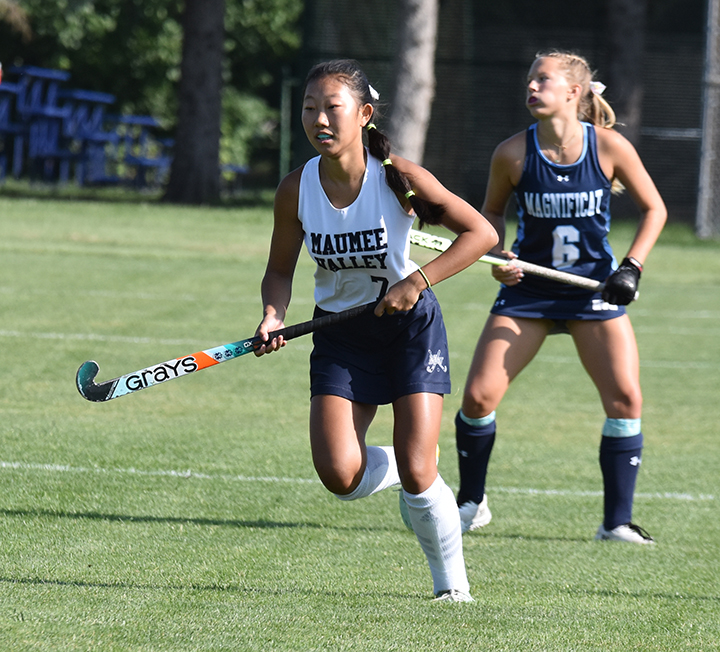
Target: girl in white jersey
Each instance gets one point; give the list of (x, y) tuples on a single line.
[(353, 207), (571, 152)]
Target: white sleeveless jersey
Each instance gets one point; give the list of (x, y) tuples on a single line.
[(360, 250)]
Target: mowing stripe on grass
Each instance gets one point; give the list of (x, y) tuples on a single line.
[(656, 315), (186, 475), (668, 364), (146, 296)]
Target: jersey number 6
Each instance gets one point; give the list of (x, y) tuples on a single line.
[(564, 253)]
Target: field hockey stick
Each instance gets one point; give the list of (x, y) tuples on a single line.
[(177, 367), (438, 243)]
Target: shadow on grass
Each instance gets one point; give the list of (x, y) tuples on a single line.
[(248, 590), (643, 595), (224, 588), (230, 588), (127, 518), (263, 524), (185, 520), (520, 537)]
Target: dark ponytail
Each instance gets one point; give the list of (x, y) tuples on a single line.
[(379, 145), (350, 73)]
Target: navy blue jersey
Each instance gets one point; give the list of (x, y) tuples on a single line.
[(564, 217)]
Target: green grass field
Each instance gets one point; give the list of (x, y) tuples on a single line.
[(189, 517)]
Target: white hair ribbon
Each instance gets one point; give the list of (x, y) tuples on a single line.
[(373, 93), (597, 87)]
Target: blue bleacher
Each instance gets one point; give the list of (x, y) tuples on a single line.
[(38, 111), (48, 130), (148, 156), (85, 127), (12, 132)]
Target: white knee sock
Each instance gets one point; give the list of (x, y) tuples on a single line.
[(436, 521), (380, 472)]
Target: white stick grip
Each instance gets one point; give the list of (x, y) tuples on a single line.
[(438, 243)]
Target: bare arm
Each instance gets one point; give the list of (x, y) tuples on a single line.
[(285, 245), (475, 234), (475, 237), (505, 171), (620, 160)]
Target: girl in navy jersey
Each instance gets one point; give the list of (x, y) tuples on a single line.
[(562, 171), (353, 207)]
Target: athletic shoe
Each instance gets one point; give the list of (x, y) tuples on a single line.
[(401, 498), (474, 516), (453, 595), (629, 533)]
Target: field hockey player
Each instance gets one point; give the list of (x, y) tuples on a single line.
[(561, 171), (353, 208)]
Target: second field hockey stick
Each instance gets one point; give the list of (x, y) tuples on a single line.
[(438, 243), (177, 367)]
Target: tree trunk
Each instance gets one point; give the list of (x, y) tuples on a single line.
[(414, 77), (195, 173), (626, 21)]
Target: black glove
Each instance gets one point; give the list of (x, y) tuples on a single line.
[(621, 286)]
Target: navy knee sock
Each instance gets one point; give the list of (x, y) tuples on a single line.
[(474, 445), (620, 459)]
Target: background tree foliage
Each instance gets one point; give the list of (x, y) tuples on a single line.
[(132, 49)]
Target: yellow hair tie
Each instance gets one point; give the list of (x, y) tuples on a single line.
[(387, 161), (425, 277), (370, 126), (410, 193)]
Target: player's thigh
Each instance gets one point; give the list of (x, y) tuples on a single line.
[(506, 346), (337, 436), (608, 351)]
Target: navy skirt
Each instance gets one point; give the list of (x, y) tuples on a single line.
[(516, 301), (377, 360)]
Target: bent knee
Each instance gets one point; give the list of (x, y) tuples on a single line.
[(339, 481), (479, 403), (417, 475), (626, 405)]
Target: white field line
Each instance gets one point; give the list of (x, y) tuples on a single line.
[(188, 475), (65, 468), (94, 337), (666, 364)]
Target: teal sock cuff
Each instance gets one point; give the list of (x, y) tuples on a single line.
[(482, 421), (621, 427)]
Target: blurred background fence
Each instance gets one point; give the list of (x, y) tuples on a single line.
[(483, 55), (90, 96)]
